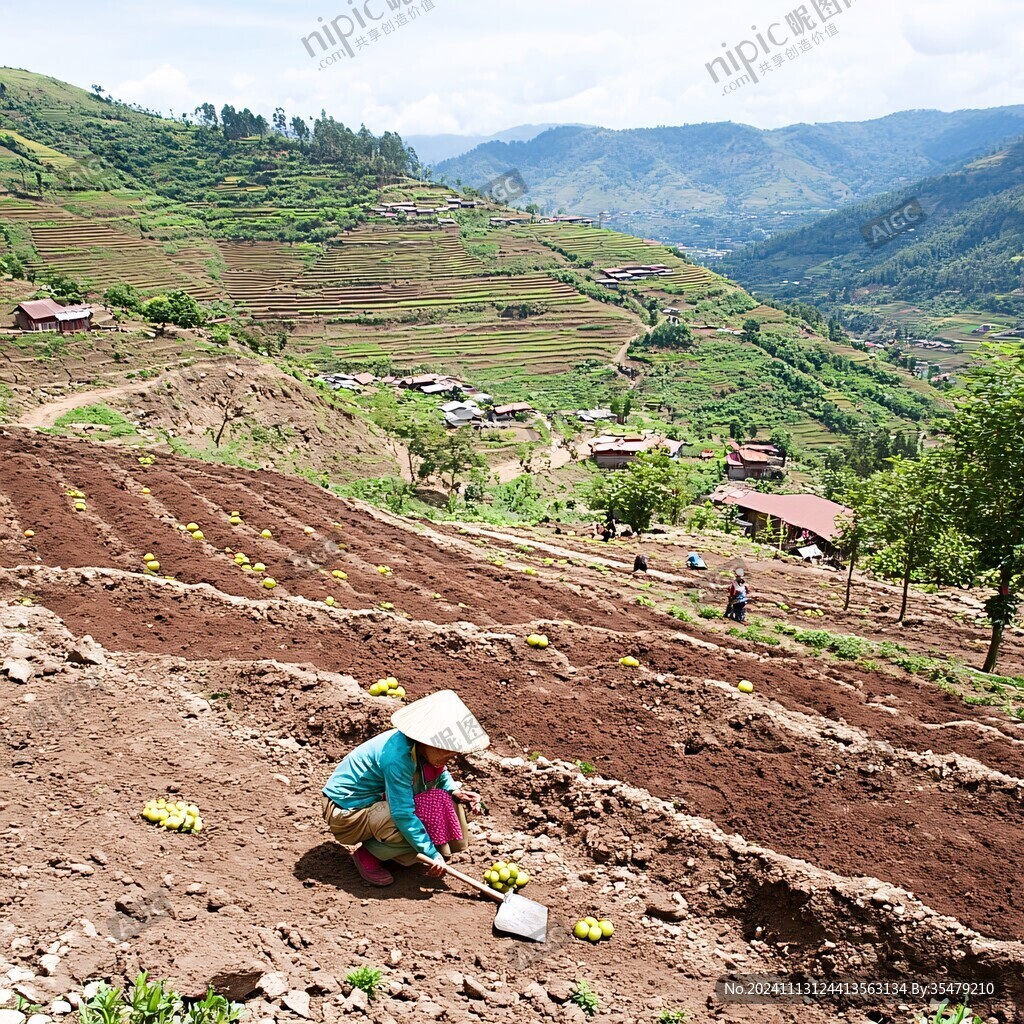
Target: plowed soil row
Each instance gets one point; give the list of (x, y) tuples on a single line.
[(803, 791)]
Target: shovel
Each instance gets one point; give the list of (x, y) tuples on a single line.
[(516, 916)]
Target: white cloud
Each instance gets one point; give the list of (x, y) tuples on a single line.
[(475, 68), (164, 88)]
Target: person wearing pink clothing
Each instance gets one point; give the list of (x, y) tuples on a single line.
[(393, 796)]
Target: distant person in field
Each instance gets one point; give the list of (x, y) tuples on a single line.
[(640, 563), (736, 608), (393, 797)]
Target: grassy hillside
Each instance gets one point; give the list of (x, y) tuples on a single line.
[(703, 183), (969, 252)]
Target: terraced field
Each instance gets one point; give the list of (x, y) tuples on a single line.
[(550, 344), (99, 255), (606, 248), (379, 253)]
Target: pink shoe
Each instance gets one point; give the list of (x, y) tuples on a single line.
[(371, 870)]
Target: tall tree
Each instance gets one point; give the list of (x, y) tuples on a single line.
[(652, 485), (984, 452), (901, 510)]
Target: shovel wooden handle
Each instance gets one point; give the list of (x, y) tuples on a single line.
[(480, 887)]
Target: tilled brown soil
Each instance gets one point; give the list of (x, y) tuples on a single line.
[(857, 773)]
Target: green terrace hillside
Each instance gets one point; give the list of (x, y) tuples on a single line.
[(969, 252), (701, 183), (526, 307)]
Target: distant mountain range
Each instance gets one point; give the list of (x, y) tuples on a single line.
[(964, 244), (431, 149), (721, 184)]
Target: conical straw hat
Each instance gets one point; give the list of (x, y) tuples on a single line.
[(443, 721)]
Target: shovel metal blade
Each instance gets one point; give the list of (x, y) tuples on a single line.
[(519, 916)]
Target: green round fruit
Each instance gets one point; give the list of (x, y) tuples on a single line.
[(607, 928), (595, 934), (582, 930)]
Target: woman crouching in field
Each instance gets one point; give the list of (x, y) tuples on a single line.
[(393, 796)]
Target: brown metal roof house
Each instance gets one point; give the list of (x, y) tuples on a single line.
[(47, 315)]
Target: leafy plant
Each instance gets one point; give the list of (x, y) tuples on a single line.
[(585, 767), (107, 1006), (680, 613), (707, 612), (369, 979), (946, 1014), (213, 1009), (584, 997), (672, 1017), (151, 1003)]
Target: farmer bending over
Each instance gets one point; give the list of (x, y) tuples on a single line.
[(393, 796)]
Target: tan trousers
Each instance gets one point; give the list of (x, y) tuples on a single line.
[(374, 827)]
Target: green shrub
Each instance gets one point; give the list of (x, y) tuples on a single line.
[(707, 612)]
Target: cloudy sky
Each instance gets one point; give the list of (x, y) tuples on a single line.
[(476, 67)]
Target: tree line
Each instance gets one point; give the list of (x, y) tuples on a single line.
[(955, 515)]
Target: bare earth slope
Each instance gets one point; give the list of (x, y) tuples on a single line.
[(835, 821)]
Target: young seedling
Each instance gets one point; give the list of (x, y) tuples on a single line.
[(583, 996), (369, 979), (585, 767), (672, 1017)]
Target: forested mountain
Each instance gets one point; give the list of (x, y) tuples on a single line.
[(703, 183), (969, 249)]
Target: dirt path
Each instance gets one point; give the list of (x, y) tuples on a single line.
[(46, 415)]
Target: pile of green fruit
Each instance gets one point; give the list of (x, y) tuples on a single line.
[(593, 930), (389, 687), (174, 815), (506, 876)]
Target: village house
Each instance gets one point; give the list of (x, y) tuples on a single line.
[(510, 413), (594, 415), (461, 414), (753, 461), (808, 520), (612, 451), (47, 315)]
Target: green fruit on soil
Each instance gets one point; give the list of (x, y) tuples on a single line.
[(591, 922), (595, 934), (269, 584), (607, 928), (746, 686), (522, 879), (192, 527), (266, 534), (582, 930)]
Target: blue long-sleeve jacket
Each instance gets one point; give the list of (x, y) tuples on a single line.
[(385, 768)]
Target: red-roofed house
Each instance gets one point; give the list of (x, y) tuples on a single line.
[(506, 413), (747, 463), (611, 451), (47, 315), (808, 519)]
